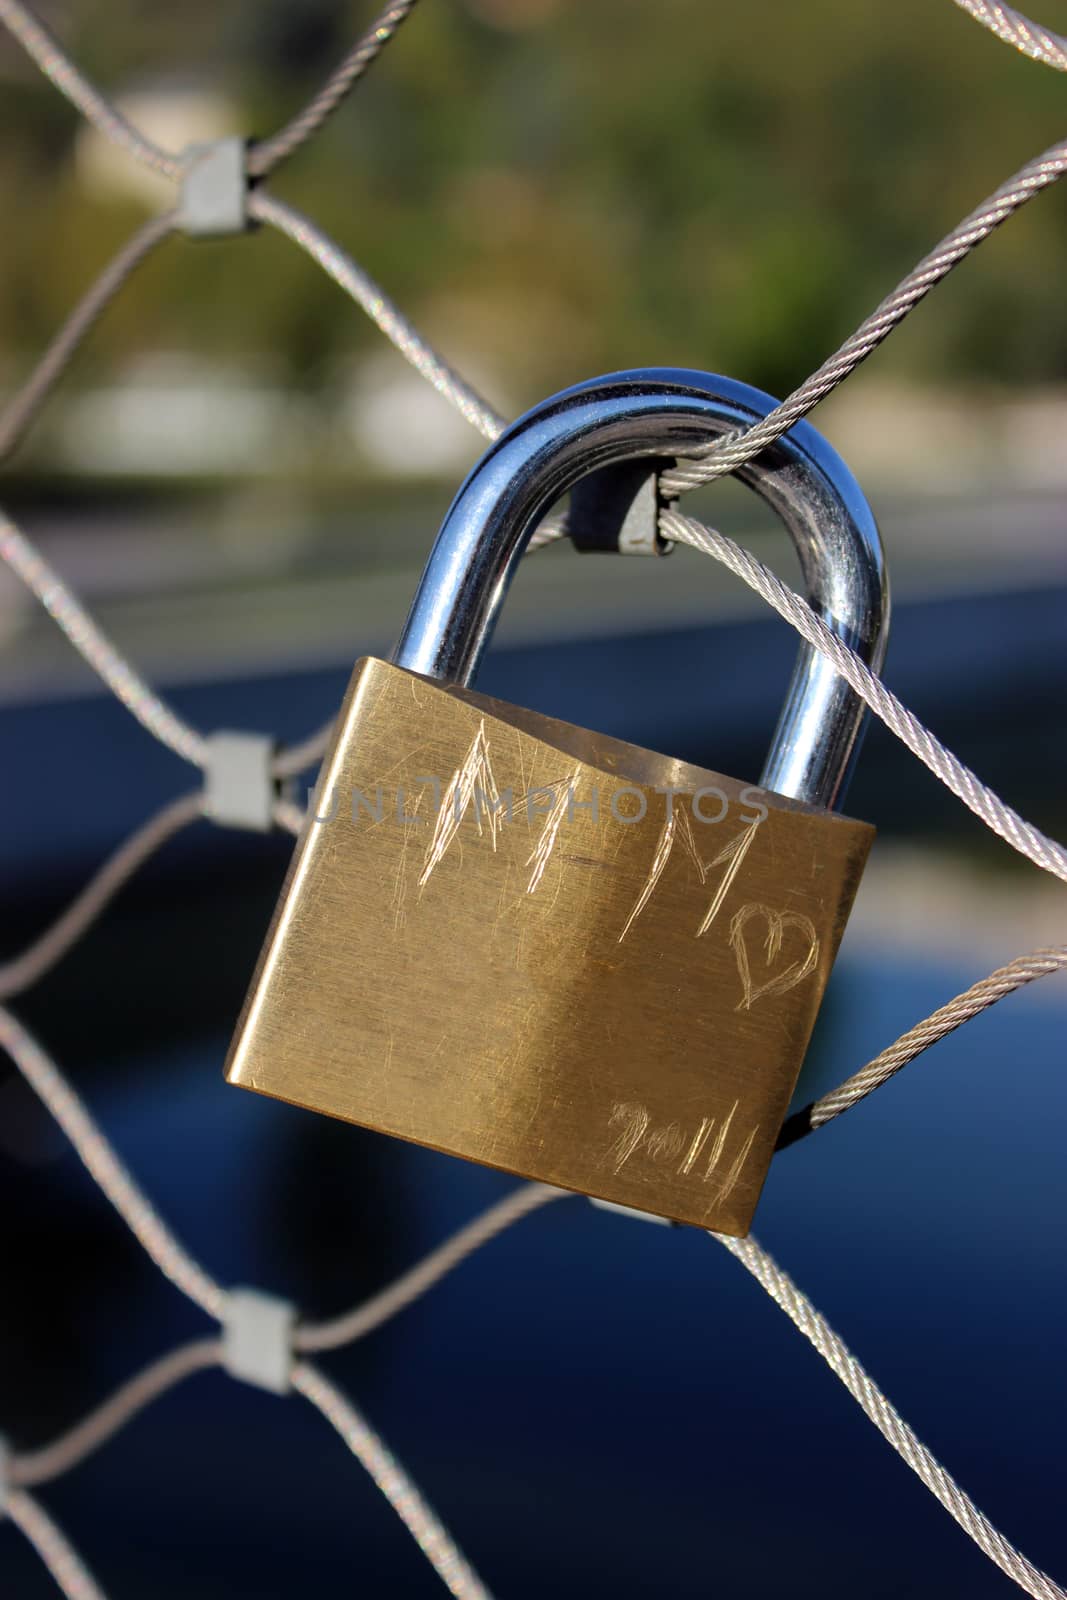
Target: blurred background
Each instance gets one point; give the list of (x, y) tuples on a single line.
[(242, 479)]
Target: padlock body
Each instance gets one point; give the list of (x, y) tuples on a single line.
[(548, 951)]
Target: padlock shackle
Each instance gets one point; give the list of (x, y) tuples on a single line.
[(666, 413)]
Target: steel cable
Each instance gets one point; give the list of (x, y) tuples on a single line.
[(106, 1168), (66, 1566), (297, 757), (93, 645), (429, 1533), (20, 410), (163, 1375), (1017, 30), (148, 1385), (815, 1328), (71, 82), (31, 964), (52, 945), (733, 450), (365, 292), (31, 1467), (127, 685), (411, 1285), (971, 1003), (976, 795), (266, 154)]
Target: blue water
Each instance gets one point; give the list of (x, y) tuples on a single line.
[(597, 1406)]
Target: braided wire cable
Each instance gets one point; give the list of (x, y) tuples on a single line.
[(971, 1003), (39, 957), (266, 154), (66, 1566), (157, 718), (979, 997), (815, 1328), (288, 815), (32, 1467), (365, 292), (287, 763), (976, 795), (550, 531), (734, 449), (52, 945), (413, 1284), (29, 1468), (20, 410), (106, 1168), (1017, 30), (428, 1532), (72, 83), (947, 767), (157, 1379), (93, 645)]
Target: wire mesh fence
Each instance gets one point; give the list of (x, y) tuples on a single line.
[(259, 1339)]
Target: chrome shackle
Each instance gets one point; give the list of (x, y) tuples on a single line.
[(667, 413)]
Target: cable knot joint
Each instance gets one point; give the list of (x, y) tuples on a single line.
[(239, 786), (214, 189), (616, 509), (257, 1339)]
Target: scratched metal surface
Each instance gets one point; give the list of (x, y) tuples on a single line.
[(557, 972)]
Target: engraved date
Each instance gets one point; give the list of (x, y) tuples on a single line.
[(714, 1153)]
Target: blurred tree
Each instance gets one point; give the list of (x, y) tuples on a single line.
[(555, 187)]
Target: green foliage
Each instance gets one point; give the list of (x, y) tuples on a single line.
[(628, 181)]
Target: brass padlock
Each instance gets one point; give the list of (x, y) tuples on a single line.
[(544, 949)]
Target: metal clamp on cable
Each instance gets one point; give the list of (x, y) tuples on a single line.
[(239, 787), (630, 1211), (616, 509), (257, 1339), (214, 189)]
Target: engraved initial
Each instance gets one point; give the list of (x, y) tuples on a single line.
[(636, 1119), (474, 772), (732, 854)]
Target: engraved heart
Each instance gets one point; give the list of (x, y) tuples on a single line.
[(777, 923)]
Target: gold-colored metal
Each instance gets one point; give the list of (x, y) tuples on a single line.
[(549, 951)]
